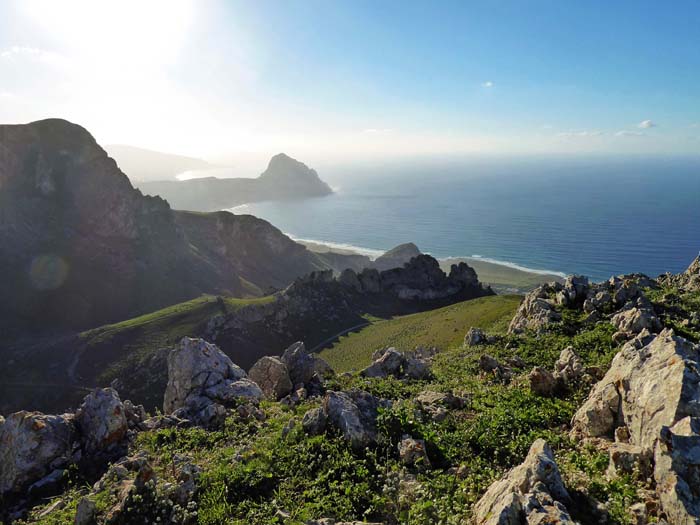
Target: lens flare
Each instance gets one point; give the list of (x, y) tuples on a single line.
[(48, 272)]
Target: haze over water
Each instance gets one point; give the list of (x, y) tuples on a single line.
[(597, 217)]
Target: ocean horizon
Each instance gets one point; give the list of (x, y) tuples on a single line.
[(597, 217)]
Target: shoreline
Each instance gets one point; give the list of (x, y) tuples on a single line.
[(502, 276)]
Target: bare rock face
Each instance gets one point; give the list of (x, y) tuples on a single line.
[(677, 471), (102, 422), (645, 389), (688, 280), (569, 367), (536, 311), (542, 382), (203, 381), (32, 446), (532, 492), (272, 376), (391, 362)]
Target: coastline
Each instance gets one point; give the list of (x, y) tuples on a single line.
[(504, 277)]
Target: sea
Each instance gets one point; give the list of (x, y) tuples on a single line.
[(596, 216)]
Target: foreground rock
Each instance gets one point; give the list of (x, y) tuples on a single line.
[(102, 422), (533, 492), (568, 369), (32, 446), (203, 382), (645, 389), (272, 376)]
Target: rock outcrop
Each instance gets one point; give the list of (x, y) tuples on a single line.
[(532, 492), (203, 382), (645, 389), (537, 310)]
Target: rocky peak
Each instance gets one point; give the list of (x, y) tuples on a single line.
[(283, 169), (396, 257)]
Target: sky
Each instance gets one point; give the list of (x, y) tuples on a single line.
[(337, 79)]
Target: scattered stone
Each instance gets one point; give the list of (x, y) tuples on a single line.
[(569, 367), (475, 336), (389, 363), (412, 452), (417, 369), (515, 362), (532, 492), (542, 382), (85, 512), (490, 365), (354, 413), (272, 376), (314, 421), (33, 446)]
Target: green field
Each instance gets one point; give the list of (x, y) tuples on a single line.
[(442, 328)]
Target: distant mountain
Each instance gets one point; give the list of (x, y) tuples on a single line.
[(80, 246), (284, 178), (396, 257), (143, 165)]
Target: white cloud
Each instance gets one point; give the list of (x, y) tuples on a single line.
[(6, 94), (695, 125), (585, 133), (487, 84), (646, 124), (626, 133), (15, 53), (377, 130)]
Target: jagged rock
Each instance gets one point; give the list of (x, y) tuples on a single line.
[(437, 404), (272, 376), (102, 422), (536, 312), (688, 280), (354, 413), (186, 473), (475, 336), (322, 369), (301, 365), (542, 382), (574, 290), (331, 521), (629, 459), (490, 365), (203, 381), (644, 389), (516, 361), (48, 485), (412, 452), (33, 445), (532, 492), (677, 471), (314, 421), (135, 415), (636, 319), (85, 512), (569, 367), (390, 363)]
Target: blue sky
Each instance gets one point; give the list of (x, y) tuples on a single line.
[(335, 79)]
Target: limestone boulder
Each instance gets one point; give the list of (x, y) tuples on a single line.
[(272, 376), (532, 492), (101, 420), (389, 363), (32, 446), (300, 364), (645, 389), (354, 413), (413, 452), (203, 382)]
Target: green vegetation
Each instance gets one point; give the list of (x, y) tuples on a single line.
[(442, 328), (269, 471)]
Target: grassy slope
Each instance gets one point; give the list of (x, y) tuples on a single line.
[(442, 328), (114, 348)]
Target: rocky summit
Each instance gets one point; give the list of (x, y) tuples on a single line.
[(578, 406)]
